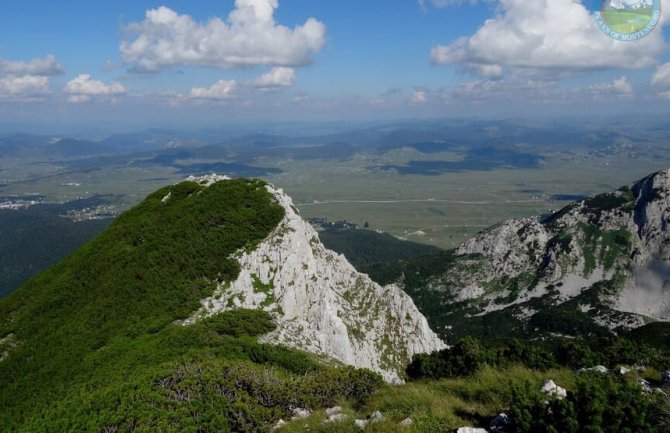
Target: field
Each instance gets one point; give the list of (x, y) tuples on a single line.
[(434, 182)]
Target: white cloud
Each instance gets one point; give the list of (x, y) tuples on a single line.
[(620, 87), (83, 89), (249, 36), (220, 90), (545, 35), (662, 75), (419, 97), (44, 67), (514, 88), (29, 80), (276, 78), (26, 87)]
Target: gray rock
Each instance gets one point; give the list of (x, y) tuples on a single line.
[(281, 423), (646, 386), (361, 423), (406, 422), (338, 417), (500, 424), (665, 378), (376, 416), (300, 413), (597, 369), (471, 430), (333, 410), (550, 388)]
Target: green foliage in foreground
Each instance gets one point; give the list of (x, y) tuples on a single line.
[(470, 354), (95, 343), (601, 403)]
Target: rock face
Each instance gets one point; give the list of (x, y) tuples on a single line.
[(598, 265), (321, 304)]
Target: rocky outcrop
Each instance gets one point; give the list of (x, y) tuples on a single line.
[(610, 253), (321, 304)]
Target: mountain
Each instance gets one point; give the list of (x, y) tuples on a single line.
[(154, 325), (599, 266), (321, 304)]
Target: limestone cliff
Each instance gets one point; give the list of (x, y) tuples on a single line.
[(602, 263), (321, 304)]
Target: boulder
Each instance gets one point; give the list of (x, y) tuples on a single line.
[(665, 378), (471, 430), (500, 424), (646, 386), (550, 388), (361, 423), (333, 410), (300, 413), (281, 423), (406, 422), (597, 369), (623, 370), (338, 417), (376, 416)]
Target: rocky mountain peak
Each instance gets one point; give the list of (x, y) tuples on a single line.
[(321, 304), (602, 261)]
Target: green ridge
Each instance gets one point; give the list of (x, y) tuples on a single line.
[(96, 343)]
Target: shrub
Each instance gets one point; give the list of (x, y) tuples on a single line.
[(599, 404)]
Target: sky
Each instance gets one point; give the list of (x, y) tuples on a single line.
[(142, 63)]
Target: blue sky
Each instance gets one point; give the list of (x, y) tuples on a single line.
[(156, 63)]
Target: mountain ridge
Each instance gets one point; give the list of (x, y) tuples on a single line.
[(321, 304), (588, 264)]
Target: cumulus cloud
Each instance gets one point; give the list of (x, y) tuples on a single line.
[(27, 80), (545, 35), (620, 87), (662, 75), (220, 90), (248, 37), (26, 87), (42, 67), (419, 97), (276, 78), (83, 89)]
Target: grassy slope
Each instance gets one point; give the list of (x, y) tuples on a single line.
[(440, 405), (92, 342)]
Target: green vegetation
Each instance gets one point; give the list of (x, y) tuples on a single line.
[(95, 344), (470, 354), (38, 237), (656, 334), (371, 252), (601, 403)]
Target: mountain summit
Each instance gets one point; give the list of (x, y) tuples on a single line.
[(597, 266), (320, 303), (161, 315)]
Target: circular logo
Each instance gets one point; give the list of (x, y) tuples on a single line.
[(628, 20)]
